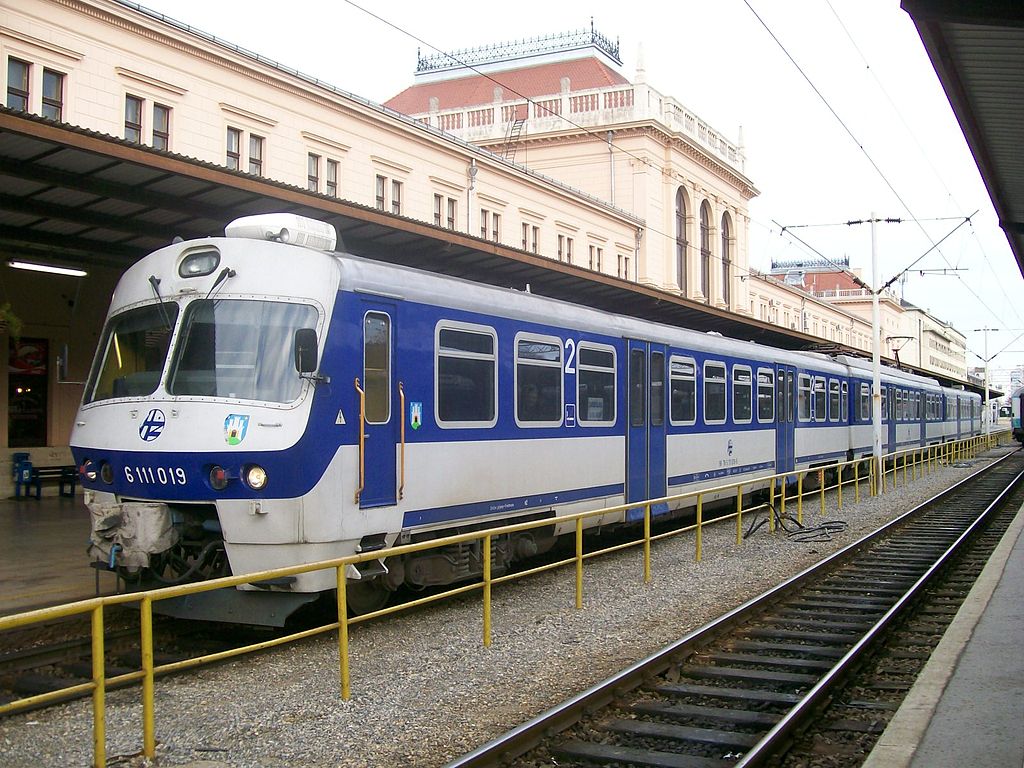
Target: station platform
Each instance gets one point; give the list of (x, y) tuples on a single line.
[(967, 706), (42, 554)]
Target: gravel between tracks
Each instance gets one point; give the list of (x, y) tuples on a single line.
[(424, 689)]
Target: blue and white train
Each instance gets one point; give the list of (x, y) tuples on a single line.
[(220, 426)]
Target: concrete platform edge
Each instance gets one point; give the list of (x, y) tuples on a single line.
[(900, 740)]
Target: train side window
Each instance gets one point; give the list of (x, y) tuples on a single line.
[(637, 388), (885, 403), (819, 398), (682, 391), (742, 391), (714, 393), (833, 400), (377, 367), (803, 400), (765, 396), (538, 381), (467, 384), (595, 385), (865, 402), (657, 389), (844, 408)]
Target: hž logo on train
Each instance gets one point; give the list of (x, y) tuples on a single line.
[(153, 425)]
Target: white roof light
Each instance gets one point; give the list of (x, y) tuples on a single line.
[(33, 267), (285, 228)]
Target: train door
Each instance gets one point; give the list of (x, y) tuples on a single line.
[(890, 412), (381, 411), (646, 429), (785, 418)]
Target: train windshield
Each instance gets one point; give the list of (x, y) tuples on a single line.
[(132, 353), (239, 349)]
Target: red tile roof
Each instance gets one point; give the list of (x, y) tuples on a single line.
[(534, 81)]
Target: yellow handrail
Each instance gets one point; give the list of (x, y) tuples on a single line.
[(362, 440)]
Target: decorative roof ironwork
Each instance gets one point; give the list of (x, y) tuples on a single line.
[(485, 54)]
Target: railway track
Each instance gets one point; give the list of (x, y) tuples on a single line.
[(838, 645)]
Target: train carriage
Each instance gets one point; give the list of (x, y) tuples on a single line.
[(260, 401)]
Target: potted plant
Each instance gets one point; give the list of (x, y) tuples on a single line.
[(10, 321)]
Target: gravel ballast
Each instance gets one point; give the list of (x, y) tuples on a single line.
[(424, 688)]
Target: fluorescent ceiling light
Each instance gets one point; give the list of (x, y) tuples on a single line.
[(47, 268)]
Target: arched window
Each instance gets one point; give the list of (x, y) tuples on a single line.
[(681, 240), (705, 250), (726, 258)]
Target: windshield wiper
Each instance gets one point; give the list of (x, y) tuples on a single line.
[(155, 282)]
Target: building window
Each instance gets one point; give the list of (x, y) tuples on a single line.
[(133, 119), (53, 94), (568, 250), (496, 227), (313, 172), (596, 254), (27, 392), (162, 127), (490, 225), (623, 270), (234, 149), (453, 211), (535, 239), (332, 178), (438, 205), (526, 234), (17, 84), (381, 188), (485, 220), (705, 250), (255, 155), (396, 197), (726, 258), (561, 247), (681, 243)]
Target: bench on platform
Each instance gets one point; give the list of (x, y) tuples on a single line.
[(67, 476)]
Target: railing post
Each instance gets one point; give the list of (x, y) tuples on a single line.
[(800, 497), (487, 590), (839, 487), (821, 489), (856, 482), (99, 691), (344, 672), (148, 707), (700, 515), (782, 496), (579, 562), (647, 543), (739, 514), (771, 507)]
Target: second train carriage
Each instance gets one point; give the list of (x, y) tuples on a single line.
[(256, 404)]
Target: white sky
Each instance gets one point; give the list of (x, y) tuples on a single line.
[(864, 57)]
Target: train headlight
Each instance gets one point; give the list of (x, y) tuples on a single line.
[(106, 472), (256, 477), (199, 263), (88, 470), (218, 478)]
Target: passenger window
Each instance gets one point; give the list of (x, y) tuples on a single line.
[(833, 400), (844, 412), (742, 390), (819, 398), (637, 388), (765, 396), (683, 391), (657, 389), (714, 393), (595, 386), (466, 387), (804, 398), (376, 367), (538, 381), (865, 402)]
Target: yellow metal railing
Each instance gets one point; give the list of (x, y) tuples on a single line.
[(916, 461)]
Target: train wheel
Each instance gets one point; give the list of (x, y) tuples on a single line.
[(366, 596)]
